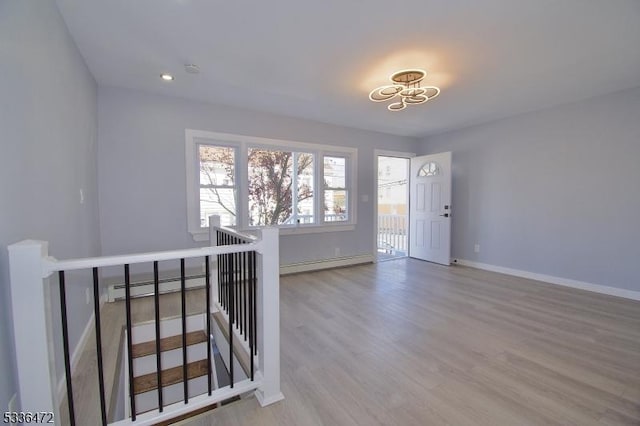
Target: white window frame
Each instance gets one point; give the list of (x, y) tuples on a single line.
[(235, 170), (195, 137), (347, 181)]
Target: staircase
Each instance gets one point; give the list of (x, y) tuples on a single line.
[(145, 377), (198, 370)]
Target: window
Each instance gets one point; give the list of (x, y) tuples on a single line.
[(335, 189), (277, 194), (429, 169), (254, 182), (217, 189)]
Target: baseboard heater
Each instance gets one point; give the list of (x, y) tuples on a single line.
[(316, 265), (144, 288)]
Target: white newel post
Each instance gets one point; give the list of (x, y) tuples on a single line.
[(32, 326), (214, 224), (269, 318)]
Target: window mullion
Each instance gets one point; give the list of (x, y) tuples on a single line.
[(294, 189), (242, 185), (320, 203)]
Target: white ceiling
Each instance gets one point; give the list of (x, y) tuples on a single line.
[(320, 59)]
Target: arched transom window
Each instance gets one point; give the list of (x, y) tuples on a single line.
[(429, 169)]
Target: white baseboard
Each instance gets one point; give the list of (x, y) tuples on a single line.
[(566, 282), (264, 401), (77, 351), (317, 265)]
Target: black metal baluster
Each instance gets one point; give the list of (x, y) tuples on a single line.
[(218, 267), (224, 276), (65, 343), (251, 303), (230, 312), (96, 313), (208, 313), (255, 302), (156, 296), (127, 299), (236, 296), (238, 288), (244, 286), (228, 271), (184, 332), (234, 285)]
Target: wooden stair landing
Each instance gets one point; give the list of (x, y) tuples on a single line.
[(167, 343), (170, 376)]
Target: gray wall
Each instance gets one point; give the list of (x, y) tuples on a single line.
[(553, 192), (142, 171), (48, 130)]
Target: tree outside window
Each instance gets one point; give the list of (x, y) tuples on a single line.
[(217, 184), (272, 184), (253, 182)]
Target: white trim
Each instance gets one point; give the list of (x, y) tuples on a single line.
[(316, 229), (179, 408), (234, 138), (33, 321), (566, 282), (77, 351), (51, 264), (264, 401), (267, 301), (297, 230), (385, 153), (243, 143), (335, 262)]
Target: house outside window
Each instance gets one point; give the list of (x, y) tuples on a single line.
[(216, 180), (253, 182), (335, 189)]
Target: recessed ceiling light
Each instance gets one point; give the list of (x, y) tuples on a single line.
[(166, 77), (192, 68)]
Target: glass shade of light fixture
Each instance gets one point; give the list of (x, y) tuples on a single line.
[(405, 90)]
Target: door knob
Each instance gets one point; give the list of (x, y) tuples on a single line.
[(445, 215)]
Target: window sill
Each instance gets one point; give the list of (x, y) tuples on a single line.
[(203, 234)]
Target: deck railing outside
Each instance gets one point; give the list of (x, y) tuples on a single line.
[(392, 234)]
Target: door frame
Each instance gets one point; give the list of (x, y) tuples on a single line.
[(444, 209), (387, 153)]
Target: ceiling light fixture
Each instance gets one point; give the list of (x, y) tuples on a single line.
[(405, 89), (166, 77)]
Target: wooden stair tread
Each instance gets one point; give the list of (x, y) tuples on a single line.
[(171, 376), (167, 343)]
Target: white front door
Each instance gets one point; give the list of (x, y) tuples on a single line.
[(430, 208)]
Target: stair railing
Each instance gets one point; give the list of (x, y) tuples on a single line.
[(32, 271)]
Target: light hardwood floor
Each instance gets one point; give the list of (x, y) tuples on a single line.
[(407, 342)]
